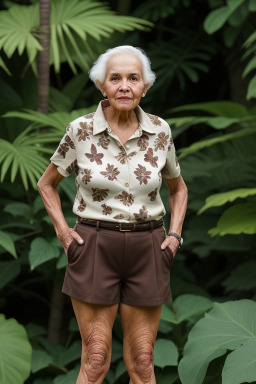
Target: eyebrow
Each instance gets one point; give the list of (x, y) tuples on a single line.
[(116, 73)]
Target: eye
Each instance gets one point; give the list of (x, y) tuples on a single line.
[(134, 78), (114, 78)]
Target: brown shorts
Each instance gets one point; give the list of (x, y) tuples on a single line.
[(113, 267)]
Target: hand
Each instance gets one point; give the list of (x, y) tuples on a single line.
[(172, 243), (67, 236)]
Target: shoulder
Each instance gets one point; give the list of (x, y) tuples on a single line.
[(159, 123), (84, 122)]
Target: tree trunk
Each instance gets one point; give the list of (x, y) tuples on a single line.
[(43, 58)]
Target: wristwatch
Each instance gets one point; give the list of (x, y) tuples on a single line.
[(180, 240)]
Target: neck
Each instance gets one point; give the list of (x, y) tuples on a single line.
[(120, 118)]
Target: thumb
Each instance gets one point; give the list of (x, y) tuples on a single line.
[(78, 238), (164, 244)]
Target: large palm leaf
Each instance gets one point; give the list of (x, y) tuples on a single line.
[(72, 22), (25, 154)]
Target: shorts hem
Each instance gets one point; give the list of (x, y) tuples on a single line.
[(147, 303), (90, 299)]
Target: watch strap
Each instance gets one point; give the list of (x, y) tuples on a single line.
[(175, 235)]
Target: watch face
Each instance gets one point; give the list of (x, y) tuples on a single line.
[(181, 241)]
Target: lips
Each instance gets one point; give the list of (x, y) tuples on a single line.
[(124, 98)]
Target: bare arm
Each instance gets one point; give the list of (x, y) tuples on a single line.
[(177, 202), (47, 186)]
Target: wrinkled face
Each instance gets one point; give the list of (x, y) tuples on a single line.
[(124, 85)]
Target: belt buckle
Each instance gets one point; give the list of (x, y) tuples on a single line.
[(123, 230)]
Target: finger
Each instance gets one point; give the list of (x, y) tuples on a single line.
[(78, 238)]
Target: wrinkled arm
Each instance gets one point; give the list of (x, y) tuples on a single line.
[(177, 202), (47, 186)]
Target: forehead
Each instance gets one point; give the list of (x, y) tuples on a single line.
[(124, 63)]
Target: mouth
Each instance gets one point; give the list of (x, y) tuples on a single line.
[(124, 98)]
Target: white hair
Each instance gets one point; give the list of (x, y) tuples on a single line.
[(98, 70)]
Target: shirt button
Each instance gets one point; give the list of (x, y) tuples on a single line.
[(127, 146), (126, 184)]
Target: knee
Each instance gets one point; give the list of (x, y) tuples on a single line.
[(96, 359), (143, 361)]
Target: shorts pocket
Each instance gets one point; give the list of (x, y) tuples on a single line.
[(168, 255), (71, 248)]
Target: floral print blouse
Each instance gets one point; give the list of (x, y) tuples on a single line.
[(116, 182)]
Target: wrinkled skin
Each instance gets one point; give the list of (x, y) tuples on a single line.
[(96, 323)]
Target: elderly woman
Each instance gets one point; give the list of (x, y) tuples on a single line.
[(119, 255)]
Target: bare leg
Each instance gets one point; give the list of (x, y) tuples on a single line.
[(140, 325), (95, 324)]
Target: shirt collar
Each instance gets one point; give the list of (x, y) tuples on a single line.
[(100, 123)]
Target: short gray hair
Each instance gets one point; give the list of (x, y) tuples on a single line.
[(98, 70)]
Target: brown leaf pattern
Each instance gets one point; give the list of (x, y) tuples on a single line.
[(153, 195), (89, 116), (148, 157), (162, 213), (110, 172), (64, 147), (94, 156), (106, 209), (161, 141), (103, 141), (176, 160), (81, 206), (126, 198), (123, 157), (99, 194), (142, 174), (119, 217), (84, 132), (87, 176), (143, 142), (170, 143), (155, 119), (73, 167), (142, 215)]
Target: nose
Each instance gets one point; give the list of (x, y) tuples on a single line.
[(124, 86)]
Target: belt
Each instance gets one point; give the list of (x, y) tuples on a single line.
[(149, 225)]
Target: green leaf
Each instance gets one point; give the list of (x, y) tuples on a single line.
[(242, 278), (168, 375), (18, 209), (34, 330), (68, 378), (15, 352), (251, 93), (9, 270), (240, 218), (219, 108), (43, 381), (185, 307), (165, 353), (252, 5), (71, 354), (219, 199), (197, 146), (216, 19), (225, 327), (41, 251), (40, 359), (7, 243), (9, 94), (117, 350), (240, 365), (120, 370)]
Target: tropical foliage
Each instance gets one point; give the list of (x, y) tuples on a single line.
[(206, 90)]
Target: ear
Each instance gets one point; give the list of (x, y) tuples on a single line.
[(101, 88), (146, 87)]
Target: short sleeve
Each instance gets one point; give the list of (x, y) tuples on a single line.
[(65, 155), (172, 167)]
